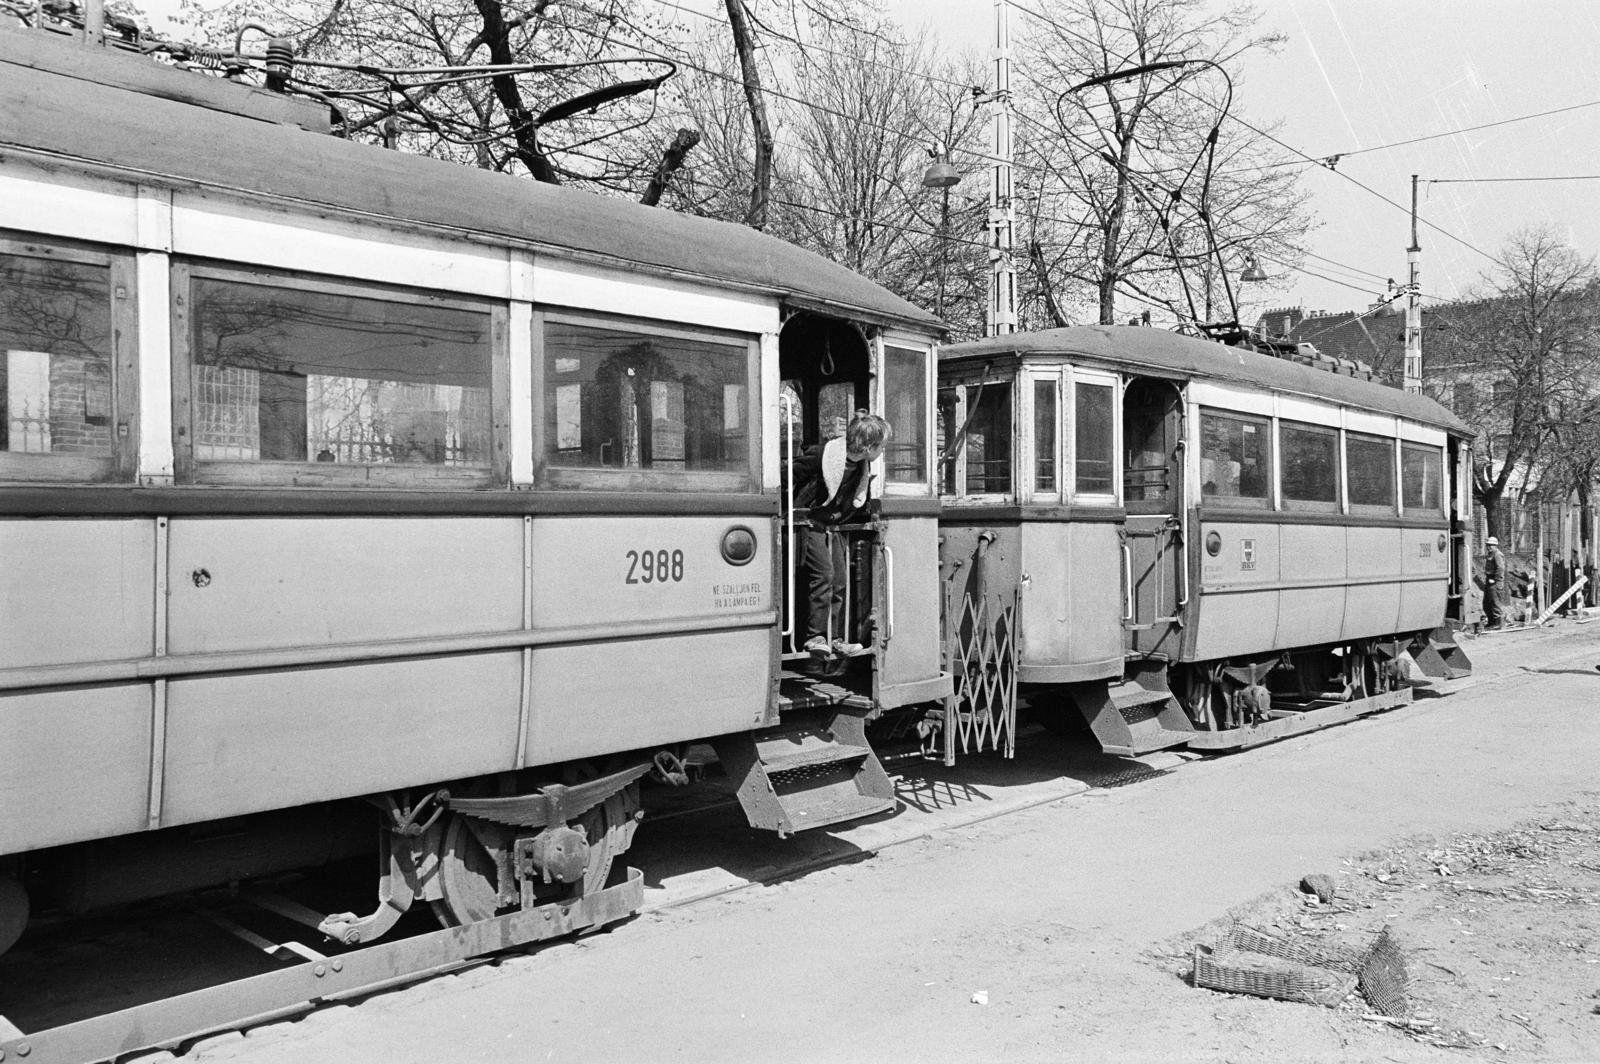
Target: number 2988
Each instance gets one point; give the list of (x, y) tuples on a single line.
[(654, 566)]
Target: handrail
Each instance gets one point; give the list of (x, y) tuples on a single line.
[(1127, 581), (888, 591), (786, 412)]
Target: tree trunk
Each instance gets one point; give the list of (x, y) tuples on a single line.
[(671, 160), (497, 37), (761, 186)]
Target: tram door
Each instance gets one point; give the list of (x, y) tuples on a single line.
[(1152, 435)]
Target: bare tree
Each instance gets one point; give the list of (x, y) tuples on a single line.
[(1525, 368), (582, 108), (1144, 184)]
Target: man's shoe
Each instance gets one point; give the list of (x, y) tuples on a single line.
[(847, 650), (817, 646)]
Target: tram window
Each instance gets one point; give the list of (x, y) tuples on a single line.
[(1094, 438), (1310, 466), (620, 398), (905, 388), (1421, 470), (1371, 470), (948, 428), (1046, 418), (1235, 459), (988, 441), (327, 376), (58, 379)]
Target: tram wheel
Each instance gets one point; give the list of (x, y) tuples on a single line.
[(467, 862)]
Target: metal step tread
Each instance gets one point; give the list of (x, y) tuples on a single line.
[(803, 692), (1128, 693), (785, 755), (1149, 743), (811, 809)]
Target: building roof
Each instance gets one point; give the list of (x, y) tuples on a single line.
[(54, 109), (1188, 357)]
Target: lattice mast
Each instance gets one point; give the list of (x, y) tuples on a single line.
[(1002, 314), (1413, 369)]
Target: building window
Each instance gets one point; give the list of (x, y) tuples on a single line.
[(905, 388), (1421, 473), (369, 387), (1371, 470), (58, 376), (627, 399), (1310, 465), (1046, 419), (1094, 439), (1235, 459)]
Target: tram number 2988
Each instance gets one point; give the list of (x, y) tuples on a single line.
[(654, 566)]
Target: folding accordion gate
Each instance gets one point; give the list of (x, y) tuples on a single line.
[(982, 649)]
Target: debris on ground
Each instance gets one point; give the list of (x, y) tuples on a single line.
[(1493, 938)]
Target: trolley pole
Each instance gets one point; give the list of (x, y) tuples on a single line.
[(1002, 315), (1413, 368)]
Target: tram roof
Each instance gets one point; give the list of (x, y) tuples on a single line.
[(1173, 354), (53, 109)]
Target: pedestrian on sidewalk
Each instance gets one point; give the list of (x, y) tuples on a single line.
[(1494, 579)]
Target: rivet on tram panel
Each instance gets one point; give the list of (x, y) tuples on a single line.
[(320, 970), (23, 1049), (338, 966)]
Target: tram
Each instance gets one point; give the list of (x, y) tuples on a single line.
[(1196, 543), (352, 499)]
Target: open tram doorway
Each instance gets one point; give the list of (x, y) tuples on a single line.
[(1153, 494), (826, 370)]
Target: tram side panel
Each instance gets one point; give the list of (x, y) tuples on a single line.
[(614, 666), (912, 659), (1071, 596), (1065, 576), (1239, 597), (77, 758), (1372, 597)]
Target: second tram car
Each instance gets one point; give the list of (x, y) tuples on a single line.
[(1191, 543)]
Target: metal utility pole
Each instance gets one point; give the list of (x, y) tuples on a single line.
[(1002, 315), (1413, 371)]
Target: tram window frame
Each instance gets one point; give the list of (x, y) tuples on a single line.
[(912, 432), (1268, 460), (1074, 436), (1408, 450), (1006, 386), (1046, 469), (742, 479), (1389, 479), (311, 473), (122, 420), (1330, 435)]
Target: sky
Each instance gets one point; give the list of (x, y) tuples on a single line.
[(1361, 74), (1357, 75)]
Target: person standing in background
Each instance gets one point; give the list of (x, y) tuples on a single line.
[(1494, 578)]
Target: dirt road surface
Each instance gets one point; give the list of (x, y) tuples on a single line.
[(1074, 919)]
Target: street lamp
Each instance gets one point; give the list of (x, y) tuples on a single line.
[(941, 175), (1252, 269)]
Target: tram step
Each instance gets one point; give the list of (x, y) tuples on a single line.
[(1135, 716), (1439, 656), (813, 769)]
